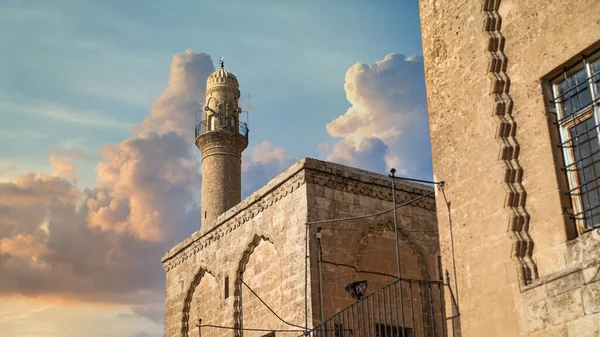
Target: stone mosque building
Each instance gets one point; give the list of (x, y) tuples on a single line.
[(513, 90), (273, 264)]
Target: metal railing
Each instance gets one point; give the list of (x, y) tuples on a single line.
[(229, 124), (404, 308)]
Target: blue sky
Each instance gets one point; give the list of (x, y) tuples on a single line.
[(107, 61), (336, 80)]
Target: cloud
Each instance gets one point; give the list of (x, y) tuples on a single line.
[(386, 124), (8, 168), (57, 111), (69, 153), (368, 155), (264, 163), (104, 244)]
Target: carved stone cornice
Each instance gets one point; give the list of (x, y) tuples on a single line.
[(374, 186), (221, 142), (306, 170), (232, 219)]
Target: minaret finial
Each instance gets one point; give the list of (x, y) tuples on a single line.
[(222, 61)]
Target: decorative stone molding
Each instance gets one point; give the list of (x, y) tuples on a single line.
[(514, 206), (188, 300), (412, 244), (229, 222), (307, 170), (373, 189), (238, 283)]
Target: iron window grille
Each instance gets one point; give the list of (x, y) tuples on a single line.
[(576, 98)]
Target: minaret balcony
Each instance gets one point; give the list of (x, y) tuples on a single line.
[(227, 124)]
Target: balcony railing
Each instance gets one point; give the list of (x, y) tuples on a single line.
[(404, 308), (229, 124)]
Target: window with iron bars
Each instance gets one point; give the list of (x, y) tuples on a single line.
[(576, 98)]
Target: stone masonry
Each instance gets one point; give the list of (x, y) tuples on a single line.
[(263, 240), (221, 144), (522, 269)]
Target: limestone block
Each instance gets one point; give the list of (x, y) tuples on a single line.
[(565, 307), (591, 298), (564, 284), (560, 331), (588, 326), (591, 274), (537, 315)]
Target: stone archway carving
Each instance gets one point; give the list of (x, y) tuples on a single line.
[(413, 245), (256, 240), (185, 324)]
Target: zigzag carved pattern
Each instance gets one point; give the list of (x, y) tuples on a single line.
[(514, 205)]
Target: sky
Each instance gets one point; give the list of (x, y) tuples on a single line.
[(99, 175)]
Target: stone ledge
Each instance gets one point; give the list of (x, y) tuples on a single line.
[(584, 251)]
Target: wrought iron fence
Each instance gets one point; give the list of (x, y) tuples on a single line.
[(405, 308), (222, 123)]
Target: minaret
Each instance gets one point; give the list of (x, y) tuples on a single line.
[(221, 138)]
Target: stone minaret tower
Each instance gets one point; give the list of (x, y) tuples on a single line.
[(221, 138)]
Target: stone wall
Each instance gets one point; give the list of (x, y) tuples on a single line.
[(264, 239), (494, 144), (270, 220), (364, 249)]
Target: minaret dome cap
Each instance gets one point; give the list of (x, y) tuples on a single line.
[(222, 77)]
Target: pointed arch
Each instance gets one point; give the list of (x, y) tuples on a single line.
[(256, 240), (185, 324)]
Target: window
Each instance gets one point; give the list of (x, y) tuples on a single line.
[(576, 98), (226, 287)]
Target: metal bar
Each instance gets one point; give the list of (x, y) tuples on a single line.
[(241, 308), (396, 306), (363, 320), (574, 216), (577, 113), (442, 316), (431, 309), (584, 81), (393, 171), (306, 279), (562, 145), (408, 202), (580, 160), (367, 325), (319, 260), (373, 326), (402, 308), (421, 306), (575, 87), (347, 323), (419, 180), (354, 320), (570, 192), (385, 325), (378, 321), (336, 326), (412, 315)]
